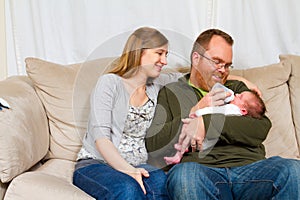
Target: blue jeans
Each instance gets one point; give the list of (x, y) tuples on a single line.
[(273, 178), (101, 181)]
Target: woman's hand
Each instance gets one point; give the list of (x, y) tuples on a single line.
[(138, 174), (114, 159)]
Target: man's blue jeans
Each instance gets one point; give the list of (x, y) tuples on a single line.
[(103, 182), (273, 178)]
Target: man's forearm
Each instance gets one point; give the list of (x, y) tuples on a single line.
[(237, 129)]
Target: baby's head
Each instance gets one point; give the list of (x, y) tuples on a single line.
[(250, 104)]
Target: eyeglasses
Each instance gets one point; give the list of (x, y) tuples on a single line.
[(217, 64)]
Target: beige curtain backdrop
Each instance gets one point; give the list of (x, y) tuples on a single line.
[(3, 65), (65, 31)]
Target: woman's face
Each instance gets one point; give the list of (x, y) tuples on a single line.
[(153, 60)]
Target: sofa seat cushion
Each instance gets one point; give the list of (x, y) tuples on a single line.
[(58, 167), (39, 185), (53, 180)]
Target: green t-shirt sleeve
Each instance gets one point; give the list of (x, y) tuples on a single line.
[(165, 124), (237, 129)]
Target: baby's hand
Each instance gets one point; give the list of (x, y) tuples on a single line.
[(178, 147), (192, 115)]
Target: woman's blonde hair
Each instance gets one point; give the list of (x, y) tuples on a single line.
[(141, 39)]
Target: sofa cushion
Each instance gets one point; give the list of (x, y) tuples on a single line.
[(3, 187), (64, 90), (273, 82), (19, 128), (294, 86), (39, 185)]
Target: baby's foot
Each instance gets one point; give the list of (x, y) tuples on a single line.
[(174, 159)]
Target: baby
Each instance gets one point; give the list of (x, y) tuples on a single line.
[(245, 103)]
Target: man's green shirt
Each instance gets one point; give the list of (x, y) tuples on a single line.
[(239, 137)]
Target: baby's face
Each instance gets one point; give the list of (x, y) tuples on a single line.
[(240, 99)]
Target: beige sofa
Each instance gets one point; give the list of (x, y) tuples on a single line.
[(41, 133)]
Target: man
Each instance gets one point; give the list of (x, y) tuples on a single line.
[(236, 167)]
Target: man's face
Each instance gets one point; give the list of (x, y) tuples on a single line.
[(205, 72)]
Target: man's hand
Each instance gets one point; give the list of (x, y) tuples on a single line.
[(215, 97), (192, 133)]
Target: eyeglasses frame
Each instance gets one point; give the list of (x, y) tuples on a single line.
[(217, 64)]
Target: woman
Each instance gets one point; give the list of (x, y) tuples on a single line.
[(112, 161)]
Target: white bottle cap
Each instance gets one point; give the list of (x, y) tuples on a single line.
[(228, 99)]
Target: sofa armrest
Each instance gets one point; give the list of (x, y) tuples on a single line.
[(24, 134)]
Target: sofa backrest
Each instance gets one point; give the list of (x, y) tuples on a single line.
[(280, 85), (294, 88), (65, 89)]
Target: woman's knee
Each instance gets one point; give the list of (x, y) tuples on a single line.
[(121, 186), (130, 190)]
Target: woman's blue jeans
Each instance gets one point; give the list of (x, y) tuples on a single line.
[(103, 182), (273, 178)]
